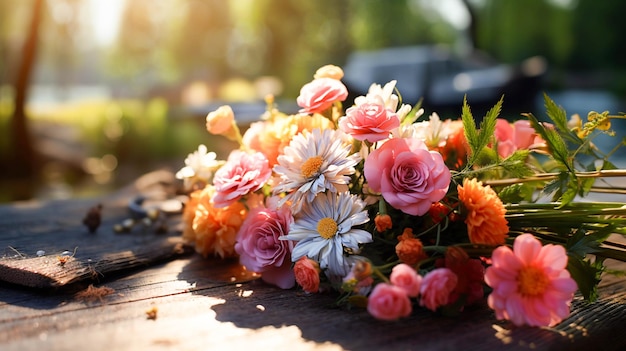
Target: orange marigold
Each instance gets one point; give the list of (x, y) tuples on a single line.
[(409, 249), (212, 230), (485, 213)]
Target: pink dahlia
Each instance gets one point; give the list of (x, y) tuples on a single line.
[(243, 173), (530, 283)]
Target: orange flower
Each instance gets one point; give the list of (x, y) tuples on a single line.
[(409, 249), (454, 151), (383, 222), (212, 230), (485, 213), (438, 212)]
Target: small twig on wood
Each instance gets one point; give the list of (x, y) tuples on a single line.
[(93, 293)]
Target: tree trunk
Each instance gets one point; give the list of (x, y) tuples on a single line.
[(24, 165)]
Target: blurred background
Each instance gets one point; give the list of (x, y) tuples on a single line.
[(94, 93)]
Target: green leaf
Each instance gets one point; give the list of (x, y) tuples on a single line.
[(555, 143), (516, 193), (587, 276), (570, 193), (556, 113), (516, 165), (581, 243), (469, 127), (476, 140), (488, 124)]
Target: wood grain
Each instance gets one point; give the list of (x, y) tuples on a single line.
[(56, 227)]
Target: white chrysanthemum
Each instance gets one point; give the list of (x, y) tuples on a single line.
[(199, 165), (325, 226), (433, 132), (313, 163)]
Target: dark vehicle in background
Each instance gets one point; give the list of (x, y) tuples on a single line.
[(441, 78)]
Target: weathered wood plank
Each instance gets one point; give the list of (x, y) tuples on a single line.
[(57, 226), (197, 310)]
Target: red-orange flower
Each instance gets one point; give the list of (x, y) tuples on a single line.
[(409, 249), (383, 222), (485, 213)]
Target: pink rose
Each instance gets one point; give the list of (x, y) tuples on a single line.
[(243, 173), (261, 251), (370, 121), (436, 288), (409, 176), (405, 277), (320, 94), (517, 136), (307, 274), (389, 302)]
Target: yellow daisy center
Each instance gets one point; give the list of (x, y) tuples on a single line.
[(532, 281), (311, 166), (327, 227)]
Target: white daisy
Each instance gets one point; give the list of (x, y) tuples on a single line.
[(325, 227), (199, 166), (313, 163)]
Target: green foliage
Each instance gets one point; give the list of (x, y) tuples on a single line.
[(587, 276), (515, 165), (516, 193), (479, 139)]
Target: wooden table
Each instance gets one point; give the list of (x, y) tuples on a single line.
[(204, 304)]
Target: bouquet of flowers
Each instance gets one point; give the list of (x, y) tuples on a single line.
[(394, 210)]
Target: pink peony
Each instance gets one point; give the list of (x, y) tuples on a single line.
[(405, 277), (307, 274), (320, 94), (261, 251), (436, 288), (531, 284), (409, 176), (243, 173), (370, 121), (389, 302)]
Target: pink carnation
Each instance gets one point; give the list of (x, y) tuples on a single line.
[(370, 121), (320, 94), (389, 302), (260, 249), (243, 173), (436, 288), (531, 284), (409, 176), (405, 277)]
